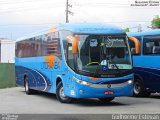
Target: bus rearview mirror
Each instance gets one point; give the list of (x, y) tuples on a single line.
[(74, 42), (74, 45), (136, 43)]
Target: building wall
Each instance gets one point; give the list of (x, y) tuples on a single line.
[(7, 51)]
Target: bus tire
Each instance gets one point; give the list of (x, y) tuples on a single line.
[(137, 89), (60, 94), (26, 85), (106, 99)]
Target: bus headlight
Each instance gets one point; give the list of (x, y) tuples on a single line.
[(130, 81), (82, 82)]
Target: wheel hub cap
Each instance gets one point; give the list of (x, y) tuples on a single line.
[(61, 93)]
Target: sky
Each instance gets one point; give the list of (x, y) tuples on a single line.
[(23, 17)]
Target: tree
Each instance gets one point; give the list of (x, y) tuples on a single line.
[(127, 29), (156, 22)]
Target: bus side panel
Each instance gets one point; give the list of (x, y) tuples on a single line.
[(143, 75), (152, 66), (69, 83), (23, 73), (50, 75), (148, 68), (28, 67), (19, 76)]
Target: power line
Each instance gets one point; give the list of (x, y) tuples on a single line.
[(129, 7), (42, 24), (48, 25), (114, 5), (3, 10), (69, 6), (18, 2), (29, 9)]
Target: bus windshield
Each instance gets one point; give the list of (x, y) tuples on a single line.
[(100, 55)]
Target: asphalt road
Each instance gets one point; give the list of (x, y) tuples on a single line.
[(15, 101)]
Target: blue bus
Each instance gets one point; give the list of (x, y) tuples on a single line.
[(76, 60), (146, 63)]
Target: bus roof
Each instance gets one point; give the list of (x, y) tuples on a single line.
[(89, 28), (152, 32)]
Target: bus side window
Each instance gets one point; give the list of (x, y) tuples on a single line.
[(19, 49), (38, 46), (53, 45), (148, 46), (151, 45)]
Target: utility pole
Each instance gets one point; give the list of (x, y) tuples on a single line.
[(139, 28), (67, 21), (68, 11)]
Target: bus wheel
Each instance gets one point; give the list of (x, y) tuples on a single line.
[(27, 89), (137, 90), (106, 99), (60, 94)]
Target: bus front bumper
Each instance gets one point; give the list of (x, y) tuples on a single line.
[(103, 91)]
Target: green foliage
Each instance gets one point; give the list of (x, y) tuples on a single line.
[(156, 22), (127, 29)]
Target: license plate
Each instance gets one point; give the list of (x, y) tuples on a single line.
[(109, 92)]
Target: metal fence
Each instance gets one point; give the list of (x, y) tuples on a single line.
[(7, 75)]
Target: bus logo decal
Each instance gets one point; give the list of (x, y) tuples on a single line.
[(50, 60), (108, 85)]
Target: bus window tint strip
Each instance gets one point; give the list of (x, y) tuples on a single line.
[(43, 45)]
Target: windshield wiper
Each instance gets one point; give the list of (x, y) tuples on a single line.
[(109, 59), (105, 55), (97, 70), (117, 68)]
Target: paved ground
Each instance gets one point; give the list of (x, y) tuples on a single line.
[(14, 100)]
